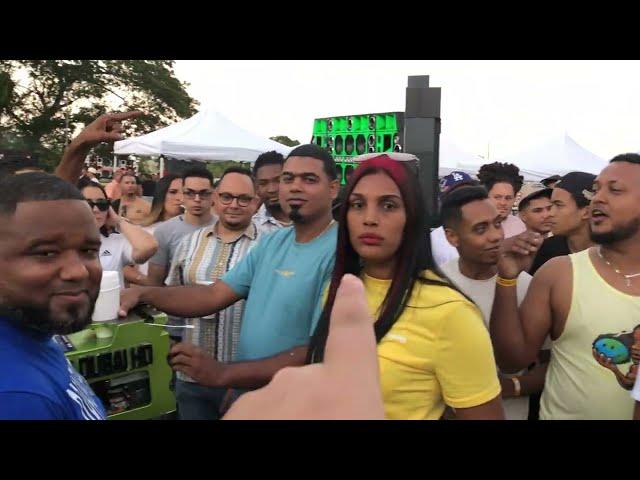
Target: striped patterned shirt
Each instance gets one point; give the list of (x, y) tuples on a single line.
[(201, 259), (265, 222)]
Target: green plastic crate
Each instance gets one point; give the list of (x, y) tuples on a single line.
[(133, 357)]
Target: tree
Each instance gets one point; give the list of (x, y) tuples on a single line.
[(42, 102), (283, 139), (6, 89), (216, 168)]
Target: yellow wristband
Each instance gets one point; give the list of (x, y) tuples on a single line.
[(516, 386), (506, 282)]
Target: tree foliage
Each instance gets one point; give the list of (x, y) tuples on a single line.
[(43, 102), (283, 139)]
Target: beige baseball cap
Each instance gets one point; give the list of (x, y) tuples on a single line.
[(531, 191)]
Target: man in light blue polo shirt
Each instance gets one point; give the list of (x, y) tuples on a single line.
[(282, 279)]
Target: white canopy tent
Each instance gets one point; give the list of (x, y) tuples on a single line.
[(208, 136), (559, 155), (454, 158), (150, 144), (472, 168)]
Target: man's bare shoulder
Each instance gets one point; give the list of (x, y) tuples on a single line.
[(554, 271)]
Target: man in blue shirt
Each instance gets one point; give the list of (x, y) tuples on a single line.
[(282, 279), (50, 280)]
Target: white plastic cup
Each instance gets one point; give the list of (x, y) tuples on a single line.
[(108, 302)]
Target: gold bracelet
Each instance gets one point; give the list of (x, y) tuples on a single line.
[(516, 386), (507, 282)]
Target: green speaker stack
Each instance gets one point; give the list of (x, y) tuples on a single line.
[(352, 135)]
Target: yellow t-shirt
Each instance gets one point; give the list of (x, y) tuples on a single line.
[(438, 352)]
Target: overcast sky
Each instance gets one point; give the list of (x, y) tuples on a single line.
[(510, 105)]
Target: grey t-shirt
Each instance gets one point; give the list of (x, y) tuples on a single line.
[(169, 234)]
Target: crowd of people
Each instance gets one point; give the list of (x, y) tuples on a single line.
[(521, 305)]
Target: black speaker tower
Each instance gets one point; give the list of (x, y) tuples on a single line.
[(422, 138)]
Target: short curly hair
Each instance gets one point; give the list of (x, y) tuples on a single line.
[(492, 173)]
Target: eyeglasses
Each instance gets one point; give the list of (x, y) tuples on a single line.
[(227, 199), (203, 194), (102, 203)]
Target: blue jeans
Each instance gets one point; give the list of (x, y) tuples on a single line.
[(196, 402)]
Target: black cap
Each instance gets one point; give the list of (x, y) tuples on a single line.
[(579, 185), (551, 179)]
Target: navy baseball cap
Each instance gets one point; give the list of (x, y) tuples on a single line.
[(455, 179)]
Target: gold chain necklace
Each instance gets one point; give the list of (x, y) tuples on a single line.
[(328, 227), (626, 277)]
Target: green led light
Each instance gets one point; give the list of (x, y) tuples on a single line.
[(348, 136)]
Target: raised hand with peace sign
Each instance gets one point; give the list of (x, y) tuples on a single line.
[(105, 128)]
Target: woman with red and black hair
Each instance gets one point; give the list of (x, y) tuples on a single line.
[(433, 347)]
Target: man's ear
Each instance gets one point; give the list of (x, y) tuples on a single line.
[(585, 213), (452, 237), (334, 188)]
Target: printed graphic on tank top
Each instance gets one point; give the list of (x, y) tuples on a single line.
[(622, 350)]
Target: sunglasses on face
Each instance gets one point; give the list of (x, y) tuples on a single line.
[(227, 199), (102, 203)]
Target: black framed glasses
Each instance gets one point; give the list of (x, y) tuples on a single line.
[(203, 194), (227, 199), (102, 203)]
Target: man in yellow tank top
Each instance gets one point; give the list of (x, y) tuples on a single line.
[(588, 302)]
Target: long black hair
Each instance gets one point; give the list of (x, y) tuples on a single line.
[(157, 205), (413, 256)]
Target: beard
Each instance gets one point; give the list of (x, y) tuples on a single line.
[(296, 216), (235, 225), (617, 235), (44, 321)]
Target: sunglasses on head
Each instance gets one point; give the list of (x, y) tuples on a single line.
[(102, 203)]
